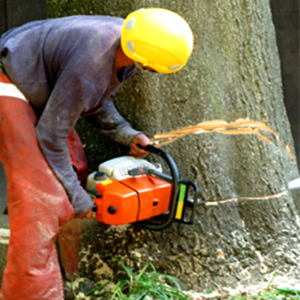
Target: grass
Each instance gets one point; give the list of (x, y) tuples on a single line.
[(153, 286), (145, 285), (276, 294), (273, 293)]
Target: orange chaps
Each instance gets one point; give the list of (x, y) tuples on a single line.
[(37, 206)]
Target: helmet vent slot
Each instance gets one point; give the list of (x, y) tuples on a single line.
[(130, 23), (174, 67), (130, 46)]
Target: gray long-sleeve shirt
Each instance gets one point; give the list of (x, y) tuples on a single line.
[(66, 69)]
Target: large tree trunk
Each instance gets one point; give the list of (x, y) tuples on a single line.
[(249, 226)]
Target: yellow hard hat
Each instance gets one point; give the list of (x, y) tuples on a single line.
[(158, 38)]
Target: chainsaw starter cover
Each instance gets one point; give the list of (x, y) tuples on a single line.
[(131, 199)]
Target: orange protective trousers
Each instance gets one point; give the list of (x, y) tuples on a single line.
[(37, 207)]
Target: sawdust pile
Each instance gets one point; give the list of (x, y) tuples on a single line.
[(244, 291)]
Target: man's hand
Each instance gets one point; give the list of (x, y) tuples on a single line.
[(139, 139), (88, 214)]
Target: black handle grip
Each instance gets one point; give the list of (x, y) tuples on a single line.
[(175, 182), (150, 149)]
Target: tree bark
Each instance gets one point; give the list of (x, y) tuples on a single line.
[(249, 225)]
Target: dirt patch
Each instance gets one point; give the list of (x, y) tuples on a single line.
[(269, 284)]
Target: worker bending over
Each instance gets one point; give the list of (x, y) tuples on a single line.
[(53, 72)]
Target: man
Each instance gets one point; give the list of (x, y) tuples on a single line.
[(67, 68)]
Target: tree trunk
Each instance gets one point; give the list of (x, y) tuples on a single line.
[(249, 225)]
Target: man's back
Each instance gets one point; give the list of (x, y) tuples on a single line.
[(37, 54)]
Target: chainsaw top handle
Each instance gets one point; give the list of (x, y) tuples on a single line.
[(175, 190)]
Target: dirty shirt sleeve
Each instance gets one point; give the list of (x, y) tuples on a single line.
[(67, 100), (109, 122)]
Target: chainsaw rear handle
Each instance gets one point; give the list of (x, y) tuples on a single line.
[(175, 190)]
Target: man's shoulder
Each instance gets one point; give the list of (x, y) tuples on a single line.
[(78, 23), (88, 30), (86, 22)]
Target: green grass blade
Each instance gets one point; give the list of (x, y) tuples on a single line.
[(97, 288), (72, 287), (153, 268), (288, 291), (127, 270), (141, 296), (142, 272), (177, 293), (269, 285)]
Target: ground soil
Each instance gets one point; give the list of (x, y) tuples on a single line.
[(271, 282)]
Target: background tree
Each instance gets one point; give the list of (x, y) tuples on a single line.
[(249, 226)]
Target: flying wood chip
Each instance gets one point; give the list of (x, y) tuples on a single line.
[(240, 126)]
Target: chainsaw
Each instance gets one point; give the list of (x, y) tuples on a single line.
[(133, 190)]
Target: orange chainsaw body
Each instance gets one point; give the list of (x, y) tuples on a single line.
[(131, 199)]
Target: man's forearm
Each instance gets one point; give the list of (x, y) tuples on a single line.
[(109, 122)]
